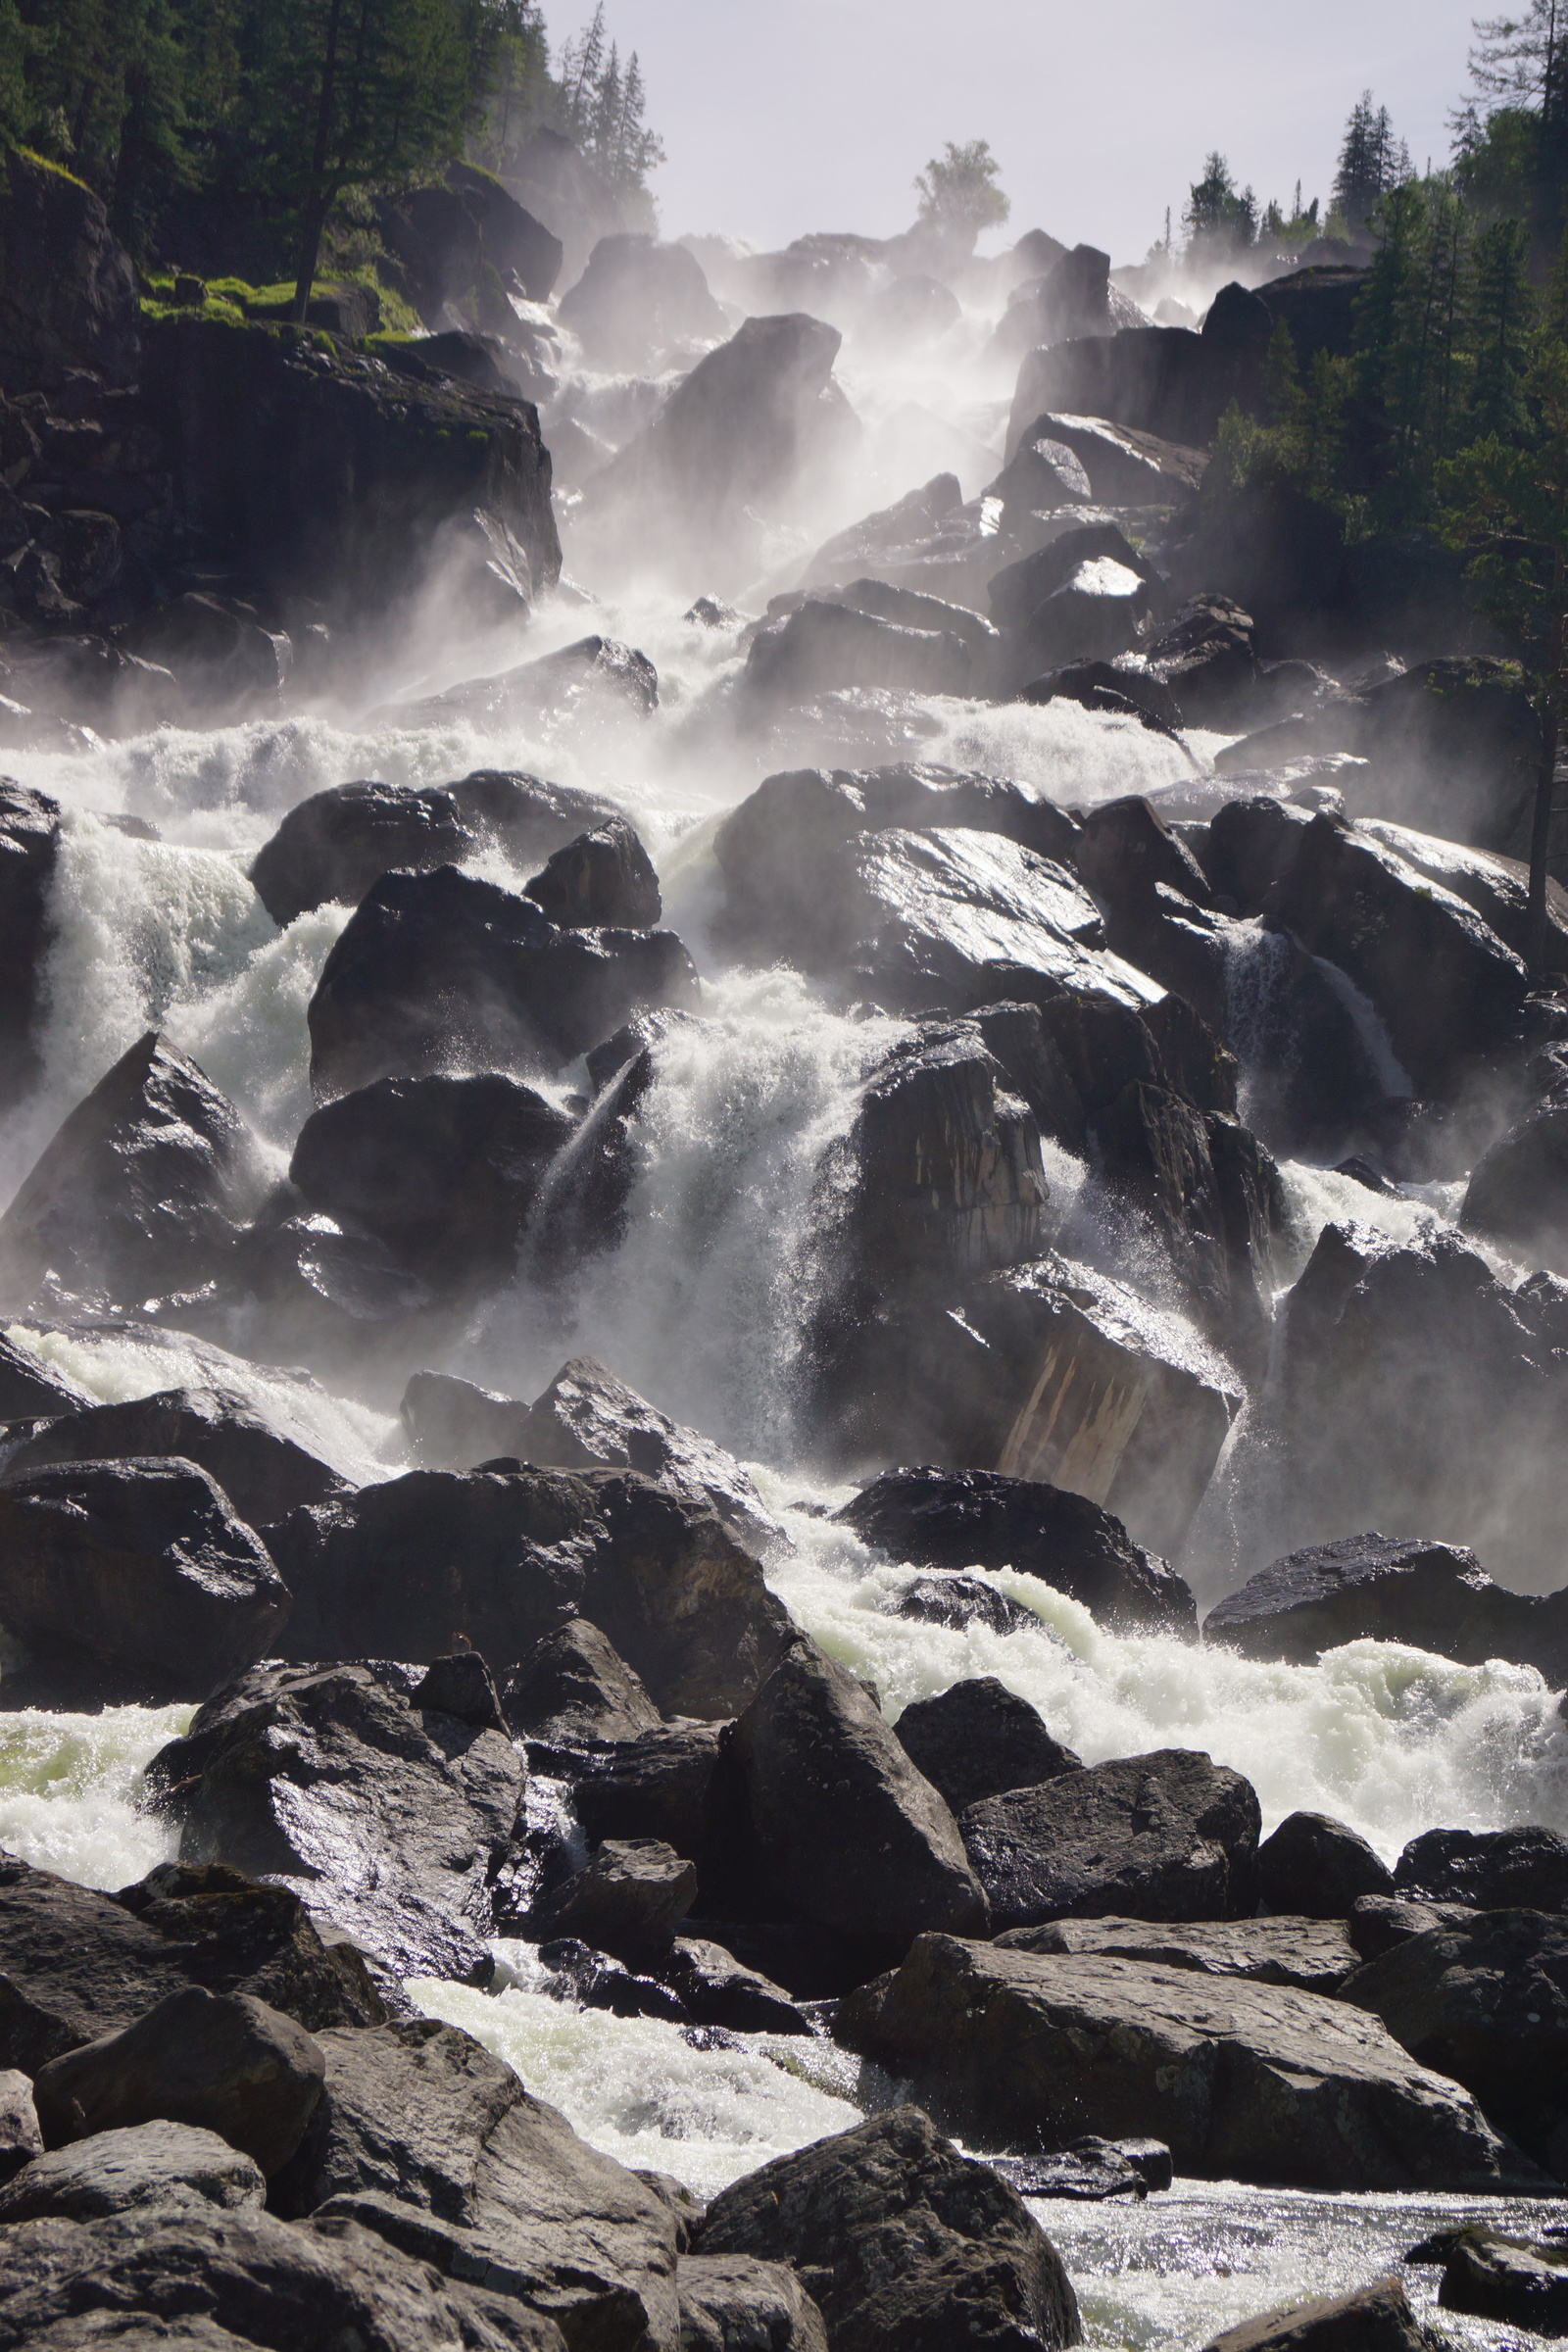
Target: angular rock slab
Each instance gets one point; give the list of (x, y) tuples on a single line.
[(906, 2245), (1374, 2318), (1508, 2279), (1243, 2082), (384, 1818), (136, 2165), (1169, 1835), (426, 2139), (1315, 1956), (264, 1472)]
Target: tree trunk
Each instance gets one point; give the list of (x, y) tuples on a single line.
[(1538, 933), (315, 205)]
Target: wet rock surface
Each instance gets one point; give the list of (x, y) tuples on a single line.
[(979, 1738)]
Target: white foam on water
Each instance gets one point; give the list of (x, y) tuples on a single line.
[(638, 2089), (71, 1788), (249, 1033), (1387, 1737)]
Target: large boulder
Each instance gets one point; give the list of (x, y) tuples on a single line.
[(840, 1829), (573, 1687), (433, 1561), (1057, 1373), (627, 1900), (338, 843), (637, 299), (1243, 2081), (316, 468), (824, 647), (729, 2301), (135, 1569), (78, 1964), (905, 2244), (1071, 297), (755, 423), (601, 878), (68, 298), (30, 842), (142, 1188), (446, 1172), (131, 2166), (262, 1470), (1313, 1955), (1522, 2283), (978, 1737), (1486, 2002), (662, 1781), (599, 677), (1416, 1389), (586, 1419), (1492, 1870), (282, 1758), (1121, 467), (193, 2273), (1376, 1588), (222, 2062), (1167, 1836), (1440, 978), (1318, 1868), (980, 1518), (425, 2139), (443, 968), (453, 236), (1517, 1196)]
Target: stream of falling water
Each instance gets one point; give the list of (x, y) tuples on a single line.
[(703, 1309)]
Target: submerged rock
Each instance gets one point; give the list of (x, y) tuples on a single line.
[(138, 1569), (979, 1518), (1166, 1836), (1243, 2081), (905, 2244)]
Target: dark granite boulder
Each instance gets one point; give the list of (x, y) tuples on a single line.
[(604, 877), (1491, 1869), (977, 1739), (1371, 2319), (262, 1470), (132, 2166), (30, 842), (1318, 1869)]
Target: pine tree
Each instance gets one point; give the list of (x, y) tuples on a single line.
[(1371, 163), (1504, 306), (1219, 217)]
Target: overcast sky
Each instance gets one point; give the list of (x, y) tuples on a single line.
[(786, 116)]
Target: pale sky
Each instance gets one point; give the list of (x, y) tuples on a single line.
[(786, 116)]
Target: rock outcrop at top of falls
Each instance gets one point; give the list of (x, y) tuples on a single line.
[(337, 844), (441, 969)]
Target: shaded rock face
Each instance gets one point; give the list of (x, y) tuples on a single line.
[(1313, 1955), (731, 2300), (636, 298), (979, 1518), (427, 2139), (264, 1472), (439, 969), (79, 1964), (446, 1172), (1388, 1589), (1518, 1192), (901, 2242), (253, 2280), (572, 1687), (1242, 2080), (628, 1900), (29, 839), (1374, 2318), (825, 646), (448, 236), (1512, 2279), (1319, 1868), (272, 1768), (1056, 1373), (601, 878), (734, 436), (1494, 1869), (307, 468), (844, 1829), (222, 2062), (496, 1559), (1417, 1391), (1486, 2002), (134, 2165), (143, 1186), (1167, 1835), (21, 2139), (135, 1568), (340, 842), (1380, 1923), (977, 1739), (70, 298)]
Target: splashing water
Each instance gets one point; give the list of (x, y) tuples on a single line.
[(70, 1791)]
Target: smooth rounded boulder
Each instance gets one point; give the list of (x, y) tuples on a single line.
[(222, 2062), (136, 1566), (1317, 1867), (1170, 1835), (979, 1738)]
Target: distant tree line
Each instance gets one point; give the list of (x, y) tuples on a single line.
[(293, 104)]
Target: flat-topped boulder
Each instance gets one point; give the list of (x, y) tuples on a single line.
[(1243, 2081), (1314, 1955)]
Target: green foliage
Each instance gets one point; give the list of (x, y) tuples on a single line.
[(959, 189), (1220, 219), (600, 106), (1372, 163)]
